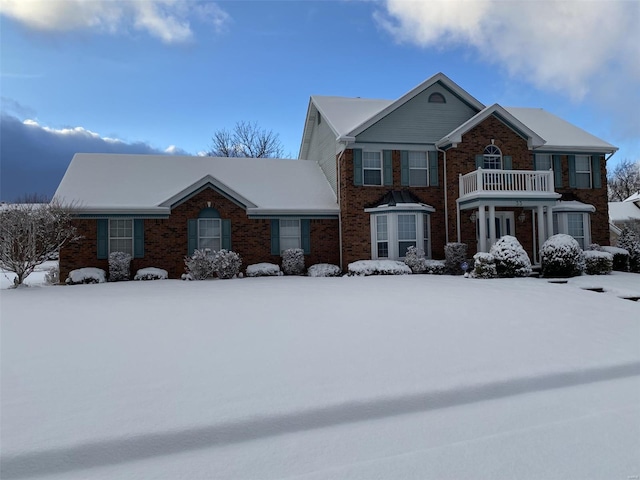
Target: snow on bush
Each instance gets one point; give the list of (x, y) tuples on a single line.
[(630, 241), (484, 266), (263, 270), (151, 273), (324, 270), (119, 266), (561, 256), (199, 265), (510, 258), (293, 261), (595, 246), (620, 258), (434, 267), (415, 260), (378, 267), (226, 264), (597, 262), (455, 255), (86, 275), (52, 276)]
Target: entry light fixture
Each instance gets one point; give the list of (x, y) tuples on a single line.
[(473, 217)]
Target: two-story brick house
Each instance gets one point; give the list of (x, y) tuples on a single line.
[(373, 178)]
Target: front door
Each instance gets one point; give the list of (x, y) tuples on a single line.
[(504, 226)]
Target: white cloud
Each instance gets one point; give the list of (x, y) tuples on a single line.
[(168, 20), (75, 132)]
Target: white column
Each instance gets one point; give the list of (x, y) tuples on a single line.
[(541, 236), (492, 224), (549, 222), (482, 231)]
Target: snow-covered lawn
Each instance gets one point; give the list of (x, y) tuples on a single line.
[(413, 376)]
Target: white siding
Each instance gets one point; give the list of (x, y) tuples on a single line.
[(322, 149)]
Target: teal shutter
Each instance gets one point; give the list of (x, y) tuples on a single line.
[(357, 168), (535, 161), (226, 234), (192, 235), (595, 171), (557, 171), (138, 238), (275, 237), (305, 235), (479, 161), (572, 171), (404, 168), (387, 167), (433, 168), (507, 162), (103, 238)]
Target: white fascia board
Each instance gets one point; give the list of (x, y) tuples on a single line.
[(206, 180), (120, 210), (577, 149), (293, 212)]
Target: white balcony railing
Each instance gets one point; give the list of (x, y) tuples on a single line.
[(483, 180)]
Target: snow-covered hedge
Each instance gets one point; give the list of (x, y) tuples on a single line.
[(455, 255), (597, 262), (86, 275), (510, 258), (434, 267), (324, 270), (415, 260), (293, 261), (620, 258), (226, 264), (151, 273), (630, 241), (484, 266), (378, 267), (119, 266), (199, 265), (561, 256), (263, 270), (595, 246)]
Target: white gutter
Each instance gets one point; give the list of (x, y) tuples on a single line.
[(346, 140), (446, 203)]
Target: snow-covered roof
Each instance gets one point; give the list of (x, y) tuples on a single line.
[(345, 114), (623, 211), (559, 134), (573, 206), (151, 184), (633, 198)]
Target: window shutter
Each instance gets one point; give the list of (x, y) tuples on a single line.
[(557, 171), (305, 235), (192, 235), (275, 237), (226, 234), (433, 168), (404, 168), (535, 161), (507, 162), (103, 238), (572, 171), (479, 161), (138, 238), (387, 167), (357, 168), (595, 171)]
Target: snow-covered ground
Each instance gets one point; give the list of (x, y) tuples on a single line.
[(413, 376)]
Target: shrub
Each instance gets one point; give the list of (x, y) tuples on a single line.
[(561, 256), (484, 266), (455, 255), (629, 240), (597, 262), (378, 267), (226, 264), (434, 267), (199, 265), (86, 275), (415, 260), (510, 258), (293, 261), (595, 246), (263, 270), (620, 258), (151, 273), (324, 270), (119, 263)]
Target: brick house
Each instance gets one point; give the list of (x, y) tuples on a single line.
[(373, 178)]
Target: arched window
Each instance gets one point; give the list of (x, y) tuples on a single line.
[(437, 98), (492, 157)]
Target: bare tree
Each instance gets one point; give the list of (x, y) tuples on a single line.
[(246, 140), (30, 233), (624, 180)]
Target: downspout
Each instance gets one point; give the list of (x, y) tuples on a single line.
[(446, 203)]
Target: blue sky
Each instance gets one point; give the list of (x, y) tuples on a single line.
[(150, 76)]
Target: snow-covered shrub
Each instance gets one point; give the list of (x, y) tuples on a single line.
[(324, 270), (510, 258), (378, 267), (263, 270), (598, 263), (226, 264), (151, 273), (119, 266), (620, 258), (199, 265), (52, 276), (484, 266), (561, 256), (86, 275), (595, 246), (630, 241), (455, 255), (434, 267), (415, 260), (293, 261)]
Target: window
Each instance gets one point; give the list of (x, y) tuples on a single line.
[(382, 236), (583, 171), (544, 161), (289, 234), (575, 227), (407, 233), (575, 224), (392, 233), (492, 158), (418, 169), (319, 118), (209, 234), (437, 98), (121, 236), (426, 234), (372, 168)]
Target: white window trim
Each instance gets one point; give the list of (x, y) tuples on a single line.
[(298, 236), (121, 238), (364, 169), (563, 224), (426, 169), (582, 172), (219, 237), (392, 233)]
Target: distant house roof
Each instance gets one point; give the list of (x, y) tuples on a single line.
[(153, 184), (620, 212)]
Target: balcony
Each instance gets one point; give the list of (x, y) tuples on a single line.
[(505, 183)]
